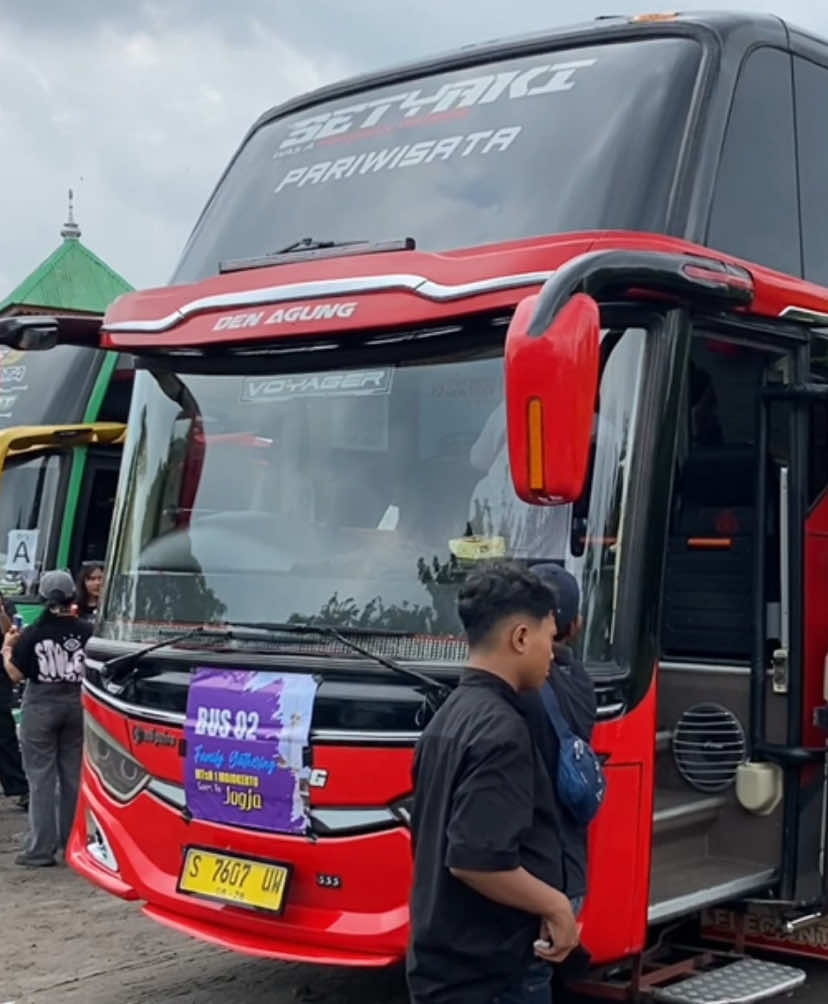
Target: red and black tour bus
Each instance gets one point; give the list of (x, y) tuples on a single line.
[(323, 440)]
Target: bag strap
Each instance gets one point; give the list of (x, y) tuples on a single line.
[(554, 713)]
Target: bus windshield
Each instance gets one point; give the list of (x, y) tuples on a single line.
[(46, 388), (575, 139), (356, 497)]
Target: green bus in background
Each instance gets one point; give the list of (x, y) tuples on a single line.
[(63, 416), (60, 453)]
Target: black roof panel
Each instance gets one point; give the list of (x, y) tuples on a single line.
[(714, 25)]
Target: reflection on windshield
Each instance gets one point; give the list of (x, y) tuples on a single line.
[(359, 498), (567, 140), (28, 504), (46, 388)]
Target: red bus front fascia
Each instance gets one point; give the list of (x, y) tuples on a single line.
[(337, 296), (365, 921), (400, 288)]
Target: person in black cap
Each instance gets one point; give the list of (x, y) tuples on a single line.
[(575, 692), (49, 656)]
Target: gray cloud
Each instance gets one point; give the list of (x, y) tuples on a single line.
[(139, 106)]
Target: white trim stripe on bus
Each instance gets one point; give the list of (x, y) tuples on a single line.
[(805, 315), (703, 667), (358, 285), (176, 718), (332, 820)]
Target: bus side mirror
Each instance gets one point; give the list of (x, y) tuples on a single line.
[(29, 334), (551, 386)]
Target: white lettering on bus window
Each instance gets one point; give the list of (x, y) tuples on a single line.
[(480, 143)]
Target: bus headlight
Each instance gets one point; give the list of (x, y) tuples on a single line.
[(121, 775)]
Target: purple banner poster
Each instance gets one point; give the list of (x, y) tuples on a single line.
[(246, 736)]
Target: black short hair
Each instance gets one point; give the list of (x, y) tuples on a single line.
[(501, 589)]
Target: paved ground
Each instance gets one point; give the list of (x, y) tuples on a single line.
[(63, 942)]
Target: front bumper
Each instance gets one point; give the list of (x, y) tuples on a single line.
[(363, 922)]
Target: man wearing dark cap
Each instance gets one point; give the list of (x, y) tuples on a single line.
[(49, 656), (576, 698)]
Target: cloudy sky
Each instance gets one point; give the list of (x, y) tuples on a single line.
[(138, 105)]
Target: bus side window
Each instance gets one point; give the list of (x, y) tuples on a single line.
[(811, 102), (95, 508), (755, 212)]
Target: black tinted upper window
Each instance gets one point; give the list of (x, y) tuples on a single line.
[(811, 105), (755, 213), (115, 404), (46, 388), (568, 140)]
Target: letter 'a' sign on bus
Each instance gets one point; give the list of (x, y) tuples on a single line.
[(21, 548), (551, 385)]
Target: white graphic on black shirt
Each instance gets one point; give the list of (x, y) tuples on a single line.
[(60, 661)]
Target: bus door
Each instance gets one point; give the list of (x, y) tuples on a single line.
[(797, 411), (738, 801), (792, 667)]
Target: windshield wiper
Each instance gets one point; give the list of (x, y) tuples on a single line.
[(120, 668), (434, 691), (310, 248), (311, 244)]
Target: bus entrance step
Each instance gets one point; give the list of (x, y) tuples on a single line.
[(741, 982)]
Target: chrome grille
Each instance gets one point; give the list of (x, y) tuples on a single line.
[(708, 746)]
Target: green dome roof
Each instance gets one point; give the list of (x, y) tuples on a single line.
[(72, 279)]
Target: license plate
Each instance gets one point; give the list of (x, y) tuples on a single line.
[(260, 885)]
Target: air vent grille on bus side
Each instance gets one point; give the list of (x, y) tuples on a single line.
[(708, 746)]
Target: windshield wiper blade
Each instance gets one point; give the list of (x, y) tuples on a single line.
[(118, 671), (434, 691), (311, 244), (120, 668), (309, 248)]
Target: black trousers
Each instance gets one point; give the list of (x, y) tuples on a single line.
[(12, 779)]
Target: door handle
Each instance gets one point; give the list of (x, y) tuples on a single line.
[(780, 670)]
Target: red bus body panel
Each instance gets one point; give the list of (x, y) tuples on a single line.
[(775, 293), (365, 921)]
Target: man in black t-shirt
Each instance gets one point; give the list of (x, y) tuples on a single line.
[(487, 910), (49, 655), (12, 779)]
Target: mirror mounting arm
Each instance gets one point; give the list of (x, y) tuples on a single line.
[(36, 333), (696, 280)]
